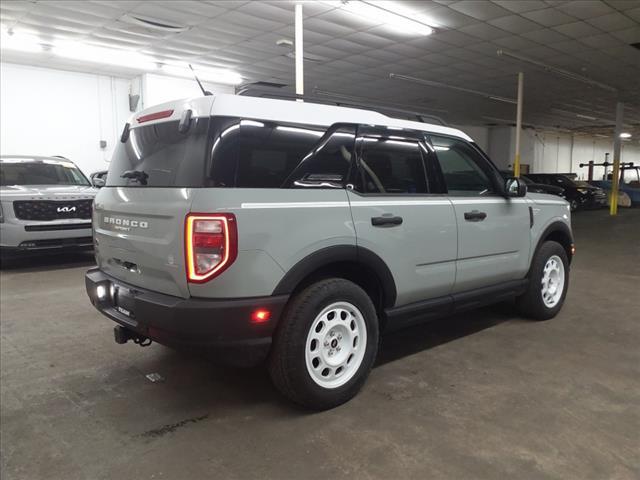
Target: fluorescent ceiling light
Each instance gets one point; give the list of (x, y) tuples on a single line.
[(625, 135), (214, 75), (27, 42), (20, 42), (109, 56), (390, 14)]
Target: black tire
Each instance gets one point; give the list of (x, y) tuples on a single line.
[(287, 361), (530, 304), (573, 205)]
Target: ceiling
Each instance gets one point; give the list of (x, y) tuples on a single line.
[(355, 56)]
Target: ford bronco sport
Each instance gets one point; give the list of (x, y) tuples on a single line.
[(295, 233)]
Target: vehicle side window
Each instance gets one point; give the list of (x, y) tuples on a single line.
[(248, 153), (269, 152), (462, 166), (392, 166), (327, 164)]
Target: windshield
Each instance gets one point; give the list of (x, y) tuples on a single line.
[(564, 181), (40, 172)]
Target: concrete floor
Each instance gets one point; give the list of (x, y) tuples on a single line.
[(484, 395)]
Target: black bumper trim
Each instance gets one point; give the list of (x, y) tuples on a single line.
[(220, 327)]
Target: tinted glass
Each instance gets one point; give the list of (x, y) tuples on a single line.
[(392, 166), (327, 164), (563, 181), (40, 172), (462, 166), (269, 152), (162, 155), (261, 154)]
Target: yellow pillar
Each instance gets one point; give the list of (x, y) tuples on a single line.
[(615, 176)]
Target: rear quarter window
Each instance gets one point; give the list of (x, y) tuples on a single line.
[(262, 154)]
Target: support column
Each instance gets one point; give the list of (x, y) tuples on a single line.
[(299, 51), (516, 163), (615, 177)]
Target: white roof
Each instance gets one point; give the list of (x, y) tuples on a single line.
[(287, 111)]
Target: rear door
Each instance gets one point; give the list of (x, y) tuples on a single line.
[(139, 215), (493, 231), (398, 217)]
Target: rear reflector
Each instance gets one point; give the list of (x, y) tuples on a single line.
[(155, 116), (260, 316), (211, 244)]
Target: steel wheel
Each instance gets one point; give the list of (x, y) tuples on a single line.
[(552, 281), (336, 344)]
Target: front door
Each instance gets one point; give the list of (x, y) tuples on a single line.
[(493, 231)]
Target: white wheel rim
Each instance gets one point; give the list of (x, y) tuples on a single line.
[(552, 281), (336, 344)]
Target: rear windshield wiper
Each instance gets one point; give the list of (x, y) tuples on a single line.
[(137, 175)]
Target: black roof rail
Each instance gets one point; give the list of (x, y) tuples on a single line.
[(329, 98)]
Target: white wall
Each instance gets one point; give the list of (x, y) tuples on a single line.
[(480, 135), (159, 89), (553, 152), (501, 146), (55, 112), (45, 111)]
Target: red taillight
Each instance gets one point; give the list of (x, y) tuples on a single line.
[(211, 244), (155, 116)]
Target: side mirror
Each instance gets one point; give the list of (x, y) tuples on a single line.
[(514, 187), (98, 182)]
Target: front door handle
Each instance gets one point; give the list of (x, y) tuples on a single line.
[(386, 221), (475, 216)]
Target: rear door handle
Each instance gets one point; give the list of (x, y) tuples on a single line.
[(475, 216), (386, 221)]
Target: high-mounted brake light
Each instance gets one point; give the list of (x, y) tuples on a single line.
[(155, 116), (211, 244)]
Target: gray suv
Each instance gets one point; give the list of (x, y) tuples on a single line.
[(45, 205), (295, 233)]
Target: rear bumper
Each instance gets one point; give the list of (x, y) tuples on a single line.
[(222, 328)]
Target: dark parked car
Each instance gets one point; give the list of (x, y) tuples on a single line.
[(579, 194), (536, 187)]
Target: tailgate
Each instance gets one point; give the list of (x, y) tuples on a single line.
[(139, 235)]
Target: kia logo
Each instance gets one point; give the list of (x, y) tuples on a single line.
[(66, 209)]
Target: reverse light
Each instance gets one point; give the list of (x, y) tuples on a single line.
[(211, 245), (101, 292), (260, 316)]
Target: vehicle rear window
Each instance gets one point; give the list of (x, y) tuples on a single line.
[(163, 156), (40, 172)]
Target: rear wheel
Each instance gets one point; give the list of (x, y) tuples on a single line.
[(325, 345), (548, 283)]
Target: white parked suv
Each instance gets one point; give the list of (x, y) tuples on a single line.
[(45, 205), (296, 232)]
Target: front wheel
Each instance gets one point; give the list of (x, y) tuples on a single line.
[(548, 283), (325, 345)]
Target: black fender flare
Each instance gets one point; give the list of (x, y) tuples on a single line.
[(335, 254), (556, 226)]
